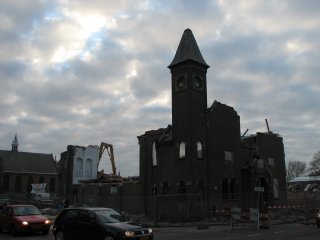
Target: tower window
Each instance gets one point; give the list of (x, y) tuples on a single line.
[(271, 161), (228, 156), (199, 150), (260, 164), (182, 150), (154, 154)]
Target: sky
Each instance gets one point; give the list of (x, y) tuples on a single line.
[(82, 72)]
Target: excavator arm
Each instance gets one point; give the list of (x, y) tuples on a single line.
[(109, 147)]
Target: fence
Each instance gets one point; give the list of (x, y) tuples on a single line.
[(184, 207)]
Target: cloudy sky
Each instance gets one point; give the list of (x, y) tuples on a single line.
[(81, 72)]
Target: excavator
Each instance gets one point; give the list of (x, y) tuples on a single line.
[(109, 147), (112, 178)]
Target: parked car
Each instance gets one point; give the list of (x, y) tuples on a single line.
[(97, 223), (23, 218), (318, 218)]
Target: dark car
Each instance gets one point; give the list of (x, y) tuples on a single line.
[(318, 219), (23, 218), (97, 223)]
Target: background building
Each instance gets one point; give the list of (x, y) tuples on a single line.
[(18, 170)]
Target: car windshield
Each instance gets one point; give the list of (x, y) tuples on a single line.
[(109, 216), (26, 210)]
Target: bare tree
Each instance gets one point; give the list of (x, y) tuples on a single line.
[(314, 165), (295, 168)]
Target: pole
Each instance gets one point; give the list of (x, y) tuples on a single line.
[(258, 221)]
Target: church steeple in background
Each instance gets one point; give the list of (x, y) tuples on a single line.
[(15, 144)]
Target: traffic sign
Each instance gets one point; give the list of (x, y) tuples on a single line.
[(259, 189)]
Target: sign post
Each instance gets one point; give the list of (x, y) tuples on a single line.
[(259, 189)]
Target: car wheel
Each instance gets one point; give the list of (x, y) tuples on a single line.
[(108, 238), (59, 236)]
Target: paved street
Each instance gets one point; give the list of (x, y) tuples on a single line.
[(296, 231)]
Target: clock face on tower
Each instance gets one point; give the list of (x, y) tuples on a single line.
[(197, 82), (180, 82)]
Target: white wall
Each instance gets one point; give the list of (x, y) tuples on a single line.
[(85, 162)]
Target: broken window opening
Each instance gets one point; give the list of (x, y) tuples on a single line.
[(154, 154), (154, 190), (199, 150), (225, 190), (182, 150), (228, 156)]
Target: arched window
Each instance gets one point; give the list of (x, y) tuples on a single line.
[(88, 172), (232, 186), (228, 157), (225, 190), (199, 150), (79, 167), (260, 164), (29, 182), (182, 150), (165, 187), (6, 183), (201, 188), (154, 154), (52, 184), (17, 186)]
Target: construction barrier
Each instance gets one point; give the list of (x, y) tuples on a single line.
[(246, 215), (286, 206)]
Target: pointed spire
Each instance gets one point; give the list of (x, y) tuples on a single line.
[(15, 144), (188, 50)]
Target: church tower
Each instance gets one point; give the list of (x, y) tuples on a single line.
[(15, 144), (189, 105)]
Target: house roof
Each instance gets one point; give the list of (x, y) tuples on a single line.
[(25, 162), (188, 50), (305, 178)]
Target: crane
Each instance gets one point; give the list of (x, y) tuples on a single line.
[(109, 147)]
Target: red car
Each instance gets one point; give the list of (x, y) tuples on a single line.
[(23, 218)]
